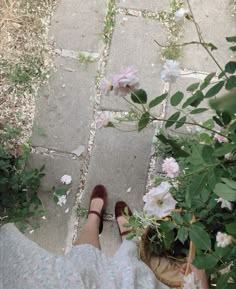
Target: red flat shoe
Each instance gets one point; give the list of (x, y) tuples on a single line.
[(120, 211), (99, 192)]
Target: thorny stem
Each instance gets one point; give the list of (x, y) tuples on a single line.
[(202, 42), (190, 123), (182, 44)]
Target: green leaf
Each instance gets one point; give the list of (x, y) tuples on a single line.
[(181, 122), (231, 82), (194, 100), (144, 120), (199, 237), (232, 127), (214, 89), (172, 119), (225, 149), (225, 192), (176, 98), (205, 261), (157, 100), (139, 96), (233, 48), (229, 183), (204, 137), (130, 236), (209, 77), (218, 121), (226, 118), (231, 229), (207, 80), (230, 67), (209, 123), (55, 199), (222, 282), (175, 146), (167, 226), (182, 234), (193, 86), (212, 46), (207, 154), (211, 179), (169, 239), (231, 39), (61, 191), (198, 110), (177, 218)]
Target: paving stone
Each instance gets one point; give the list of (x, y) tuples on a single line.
[(133, 45), (119, 161), (147, 4), (110, 238), (78, 24), (53, 232), (216, 22), (64, 106)]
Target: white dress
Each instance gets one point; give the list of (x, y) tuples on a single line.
[(25, 265)]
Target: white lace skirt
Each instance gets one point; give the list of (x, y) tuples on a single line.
[(24, 265)]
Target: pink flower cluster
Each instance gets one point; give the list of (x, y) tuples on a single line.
[(122, 84), (170, 167)]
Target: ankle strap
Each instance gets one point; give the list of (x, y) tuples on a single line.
[(125, 233), (94, 212)]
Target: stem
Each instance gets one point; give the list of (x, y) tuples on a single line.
[(132, 104), (190, 123), (199, 170), (202, 42), (182, 44)]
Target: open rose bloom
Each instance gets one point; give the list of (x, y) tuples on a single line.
[(158, 201), (123, 83)]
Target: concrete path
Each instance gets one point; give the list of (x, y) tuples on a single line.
[(65, 138)]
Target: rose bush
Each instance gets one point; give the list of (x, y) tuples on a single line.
[(199, 165)]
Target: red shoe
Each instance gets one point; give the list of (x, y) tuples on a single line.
[(120, 211), (99, 192)]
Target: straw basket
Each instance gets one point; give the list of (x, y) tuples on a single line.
[(166, 268)]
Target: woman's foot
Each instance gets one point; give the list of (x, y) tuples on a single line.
[(122, 218), (98, 201)]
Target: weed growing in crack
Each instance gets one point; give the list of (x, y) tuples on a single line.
[(109, 21)]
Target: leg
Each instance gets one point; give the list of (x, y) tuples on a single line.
[(123, 230), (121, 218), (90, 232)]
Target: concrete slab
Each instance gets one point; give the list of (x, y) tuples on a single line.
[(147, 4), (53, 232), (133, 45), (216, 22), (110, 238), (64, 106), (119, 161), (78, 24)]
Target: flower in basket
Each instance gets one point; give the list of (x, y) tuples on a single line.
[(158, 201)]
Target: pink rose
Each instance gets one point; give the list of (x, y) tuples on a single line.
[(220, 138), (103, 119), (125, 82), (106, 86), (170, 167)]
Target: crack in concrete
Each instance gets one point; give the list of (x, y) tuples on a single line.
[(73, 54), (54, 152)]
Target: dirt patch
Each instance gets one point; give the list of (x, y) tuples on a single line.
[(24, 60)]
